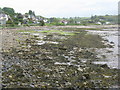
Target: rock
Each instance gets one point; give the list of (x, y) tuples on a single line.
[(112, 42), (106, 76), (86, 76), (80, 69), (10, 76), (106, 40), (47, 58), (104, 66), (62, 48), (110, 46), (31, 85)]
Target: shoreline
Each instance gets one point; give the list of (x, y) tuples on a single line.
[(67, 26)]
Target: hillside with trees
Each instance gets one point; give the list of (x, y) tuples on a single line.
[(31, 19), (11, 18)]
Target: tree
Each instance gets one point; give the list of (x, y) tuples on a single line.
[(103, 22), (26, 15), (71, 20), (53, 19), (20, 17), (33, 13), (42, 23), (10, 23), (9, 11), (0, 9), (30, 12)]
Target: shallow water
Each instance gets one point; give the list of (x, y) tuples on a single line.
[(111, 57)]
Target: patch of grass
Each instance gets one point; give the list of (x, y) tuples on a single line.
[(59, 32), (17, 40), (79, 29), (67, 33), (49, 31)]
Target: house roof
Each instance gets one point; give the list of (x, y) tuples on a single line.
[(2, 15)]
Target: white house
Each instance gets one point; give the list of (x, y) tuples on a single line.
[(98, 23), (45, 20), (78, 22), (32, 17), (64, 21), (25, 17), (107, 22), (3, 18)]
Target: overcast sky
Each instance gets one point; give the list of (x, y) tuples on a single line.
[(63, 8)]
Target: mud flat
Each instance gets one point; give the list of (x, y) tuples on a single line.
[(57, 57)]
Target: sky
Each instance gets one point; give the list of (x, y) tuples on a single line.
[(64, 8)]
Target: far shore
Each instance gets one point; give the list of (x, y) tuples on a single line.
[(74, 26)]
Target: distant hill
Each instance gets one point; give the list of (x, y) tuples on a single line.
[(110, 18)]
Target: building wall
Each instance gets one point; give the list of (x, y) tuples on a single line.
[(3, 18)]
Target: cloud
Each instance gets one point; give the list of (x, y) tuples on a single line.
[(63, 8)]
